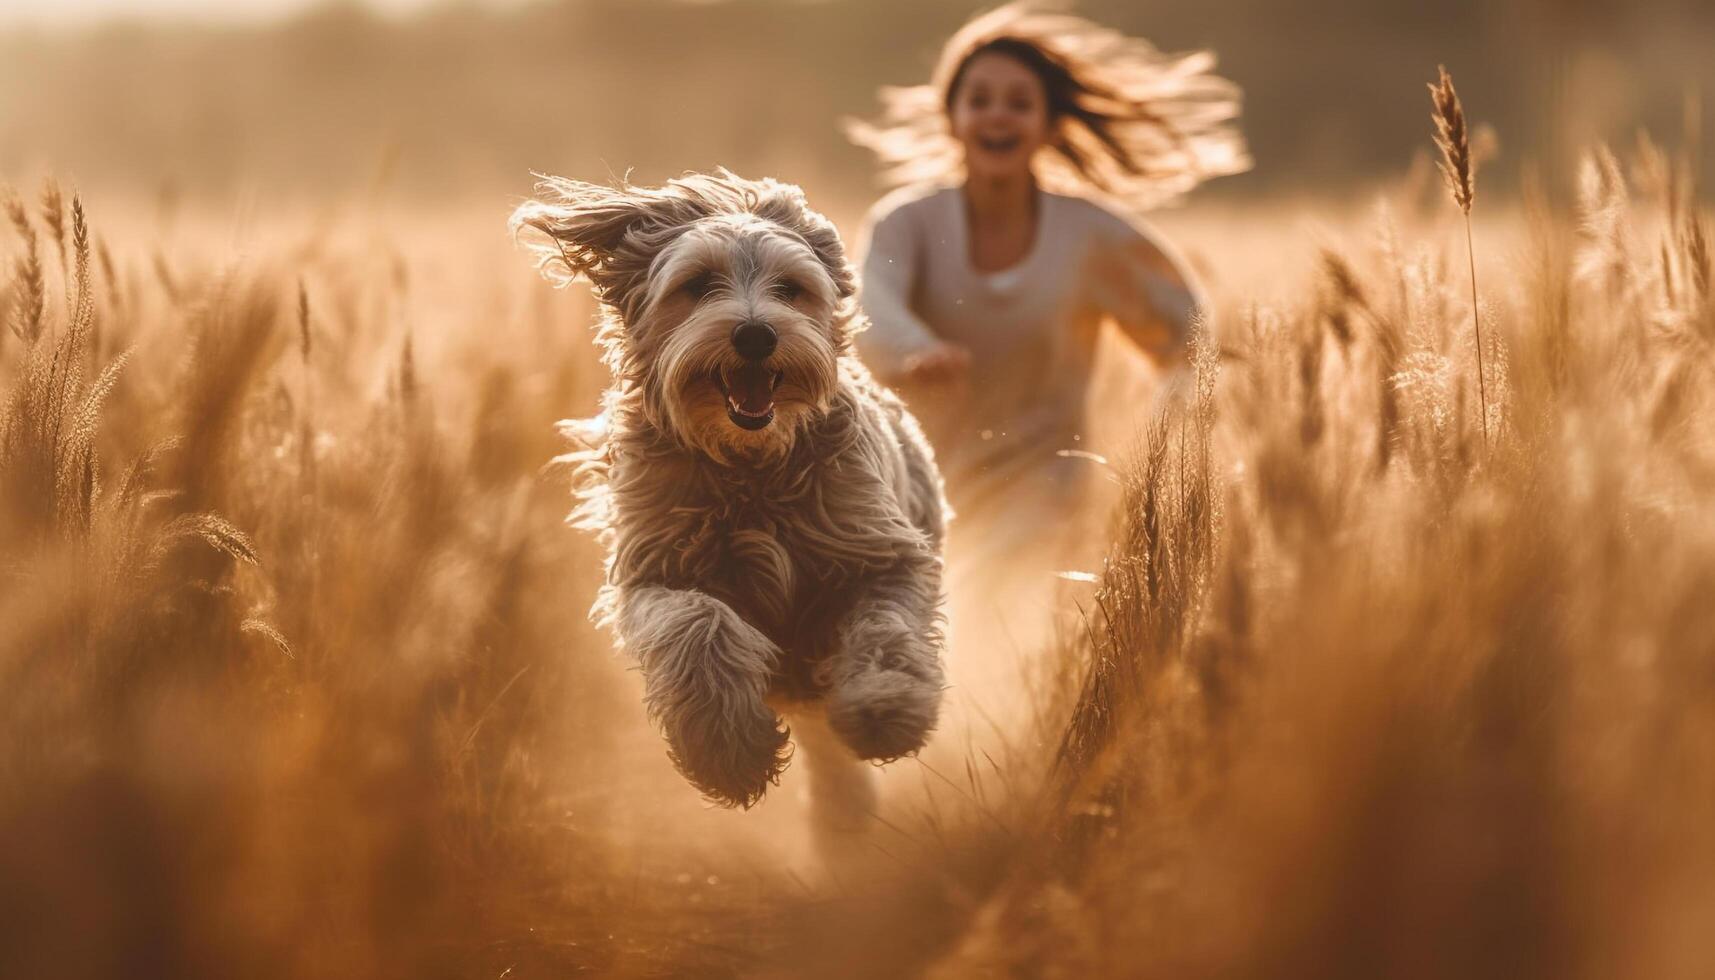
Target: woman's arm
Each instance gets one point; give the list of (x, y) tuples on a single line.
[(1145, 288), (897, 341)]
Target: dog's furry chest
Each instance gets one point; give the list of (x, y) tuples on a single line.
[(790, 545), (755, 552), (783, 555)]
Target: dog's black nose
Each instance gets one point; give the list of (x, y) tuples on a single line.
[(753, 339)]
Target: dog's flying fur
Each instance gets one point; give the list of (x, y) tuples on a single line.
[(774, 524)]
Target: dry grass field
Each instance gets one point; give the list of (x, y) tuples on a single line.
[(1397, 666)]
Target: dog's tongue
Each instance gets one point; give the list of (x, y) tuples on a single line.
[(752, 389)]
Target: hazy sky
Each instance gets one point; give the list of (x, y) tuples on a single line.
[(62, 13)]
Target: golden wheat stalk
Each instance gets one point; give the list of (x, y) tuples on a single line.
[(1696, 246), (31, 302), (54, 216), (1460, 170), (306, 420)]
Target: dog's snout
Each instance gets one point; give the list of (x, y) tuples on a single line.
[(754, 340)]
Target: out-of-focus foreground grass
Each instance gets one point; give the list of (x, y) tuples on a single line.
[(295, 678), (296, 674)]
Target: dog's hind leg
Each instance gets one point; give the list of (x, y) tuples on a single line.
[(842, 789), (705, 673)]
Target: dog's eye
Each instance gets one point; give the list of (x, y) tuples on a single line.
[(788, 290), (699, 286)]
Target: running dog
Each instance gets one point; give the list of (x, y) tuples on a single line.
[(773, 518)]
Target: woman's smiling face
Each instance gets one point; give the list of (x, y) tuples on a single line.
[(999, 115)]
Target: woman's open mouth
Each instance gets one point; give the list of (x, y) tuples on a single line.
[(749, 392), (998, 144)]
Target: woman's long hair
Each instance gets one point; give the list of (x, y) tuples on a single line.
[(1124, 119)]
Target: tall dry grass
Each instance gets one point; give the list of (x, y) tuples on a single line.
[(295, 678), (295, 674), (1368, 693)]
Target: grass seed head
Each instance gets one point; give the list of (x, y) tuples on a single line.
[(30, 289), (1457, 164)]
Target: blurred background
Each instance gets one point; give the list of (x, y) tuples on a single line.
[(431, 99)]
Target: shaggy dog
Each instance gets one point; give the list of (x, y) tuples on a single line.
[(773, 518)]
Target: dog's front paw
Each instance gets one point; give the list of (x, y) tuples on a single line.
[(731, 756), (884, 714)]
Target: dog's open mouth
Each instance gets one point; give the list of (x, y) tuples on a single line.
[(749, 392)]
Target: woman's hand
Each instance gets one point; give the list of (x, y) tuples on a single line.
[(938, 364)]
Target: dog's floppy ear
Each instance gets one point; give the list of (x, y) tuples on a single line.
[(784, 204), (575, 228)]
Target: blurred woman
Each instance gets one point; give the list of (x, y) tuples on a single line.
[(988, 276)]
